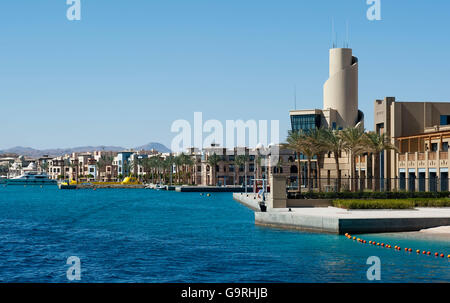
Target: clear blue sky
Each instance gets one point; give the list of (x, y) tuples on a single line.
[(122, 74)]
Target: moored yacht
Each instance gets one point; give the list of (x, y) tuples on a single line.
[(31, 178)]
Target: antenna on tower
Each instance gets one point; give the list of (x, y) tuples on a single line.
[(347, 36), (333, 41)]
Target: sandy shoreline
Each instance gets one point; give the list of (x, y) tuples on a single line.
[(441, 234), (441, 230)]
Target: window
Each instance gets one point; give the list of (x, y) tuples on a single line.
[(333, 125), (445, 120), (445, 146), (231, 168), (434, 147), (305, 122)]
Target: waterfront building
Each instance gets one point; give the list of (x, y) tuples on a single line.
[(106, 171), (340, 110), (421, 133), (122, 160), (226, 171), (59, 168)]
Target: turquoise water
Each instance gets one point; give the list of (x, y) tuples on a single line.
[(156, 236)]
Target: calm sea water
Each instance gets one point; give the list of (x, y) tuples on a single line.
[(156, 236)]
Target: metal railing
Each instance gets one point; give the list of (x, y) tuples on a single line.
[(412, 184)]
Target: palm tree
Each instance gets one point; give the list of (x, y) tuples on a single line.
[(139, 163), (188, 163), (296, 142), (147, 166), (178, 163), (168, 162), (158, 167), (317, 143), (309, 153), (335, 144), (44, 167), (213, 160), (151, 166), (354, 144), (100, 166), (376, 144), (183, 162)]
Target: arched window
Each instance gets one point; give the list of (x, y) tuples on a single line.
[(294, 169)]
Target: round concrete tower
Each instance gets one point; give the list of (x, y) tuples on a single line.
[(340, 92)]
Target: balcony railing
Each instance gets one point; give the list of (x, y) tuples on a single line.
[(432, 156)]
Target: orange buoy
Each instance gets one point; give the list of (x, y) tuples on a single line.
[(410, 249), (436, 254), (448, 256), (370, 242), (354, 238), (442, 255), (406, 249), (429, 253), (418, 251)]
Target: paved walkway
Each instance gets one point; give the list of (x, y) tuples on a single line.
[(333, 212)]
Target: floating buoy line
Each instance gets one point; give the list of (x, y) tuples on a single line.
[(396, 247)]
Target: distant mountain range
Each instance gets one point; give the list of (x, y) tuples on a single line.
[(31, 152)]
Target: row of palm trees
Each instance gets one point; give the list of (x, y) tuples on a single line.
[(158, 169), (316, 143)]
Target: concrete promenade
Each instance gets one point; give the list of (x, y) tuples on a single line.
[(250, 200), (211, 189), (340, 221)]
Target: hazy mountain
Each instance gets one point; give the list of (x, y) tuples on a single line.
[(31, 152), (154, 145)]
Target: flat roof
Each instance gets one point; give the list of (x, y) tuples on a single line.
[(305, 112)]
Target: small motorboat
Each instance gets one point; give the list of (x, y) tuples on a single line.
[(67, 185)]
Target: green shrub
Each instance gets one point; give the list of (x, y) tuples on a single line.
[(392, 203), (440, 202), (374, 204)]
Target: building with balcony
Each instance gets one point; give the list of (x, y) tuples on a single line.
[(421, 133)]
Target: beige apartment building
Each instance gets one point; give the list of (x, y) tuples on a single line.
[(421, 133)]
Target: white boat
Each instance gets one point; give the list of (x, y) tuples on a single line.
[(160, 187), (31, 178)]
